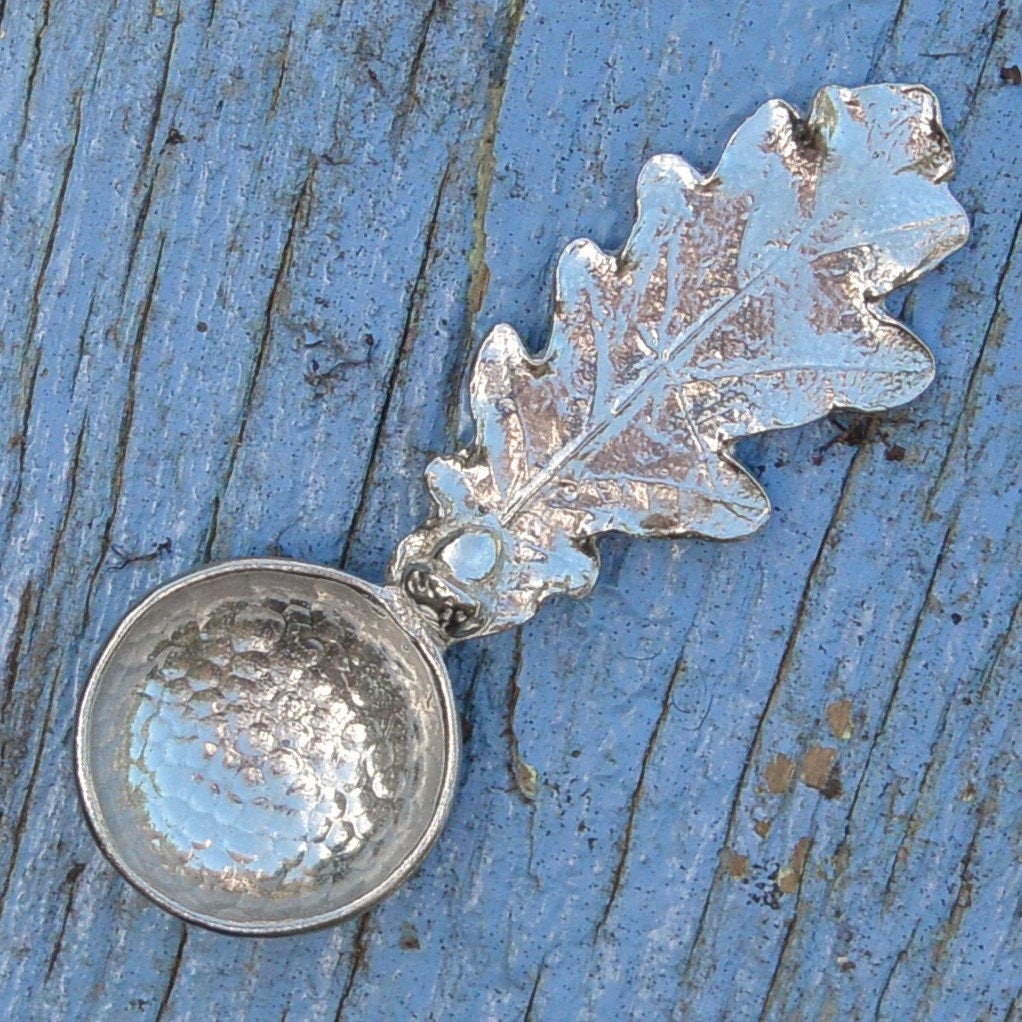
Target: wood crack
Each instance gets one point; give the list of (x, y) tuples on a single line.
[(69, 502), (523, 775), (12, 665), (16, 838), (37, 52), (988, 673), (899, 960), (1012, 1014), (69, 885), (963, 895), (899, 673), (83, 336), (486, 162), (994, 330), (995, 38), (117, 478), (30, 364), (359, 958), (32, 357), (147, 159), (175, 969), (278, 86), (780, 677), (409, 334), (410, 98), (161, 92), (275, 302), (962, 422), (909, 647), (910, 824), (482, 666), (531, 1003), (625, 843), (881, 50), (789, 933)]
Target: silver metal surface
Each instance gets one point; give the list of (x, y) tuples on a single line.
[(264, 748), (745, 301)]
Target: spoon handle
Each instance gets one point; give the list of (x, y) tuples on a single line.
[(744, 301)]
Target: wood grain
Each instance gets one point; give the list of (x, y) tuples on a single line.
[(246, 253)]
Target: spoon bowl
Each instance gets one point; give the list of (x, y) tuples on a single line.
[(266, 746)]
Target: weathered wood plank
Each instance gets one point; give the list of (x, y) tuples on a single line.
[(246, 252)]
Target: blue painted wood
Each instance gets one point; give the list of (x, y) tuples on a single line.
[(246, 251)]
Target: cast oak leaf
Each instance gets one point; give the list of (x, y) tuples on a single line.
[(745, 301)]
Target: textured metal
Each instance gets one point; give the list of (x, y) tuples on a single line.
[(745, 301), (264, 748)]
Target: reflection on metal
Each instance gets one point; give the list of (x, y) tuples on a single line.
[(266, 746), (744, 301)]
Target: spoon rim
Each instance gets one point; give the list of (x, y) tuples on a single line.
[(426, 645)]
